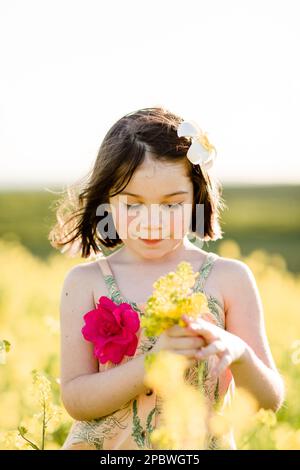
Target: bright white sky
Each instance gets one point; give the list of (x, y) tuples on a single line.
[(70, 69)]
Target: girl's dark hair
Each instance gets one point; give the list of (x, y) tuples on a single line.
[(121, 153)]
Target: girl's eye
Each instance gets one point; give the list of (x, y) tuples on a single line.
[(168, 206), (174, 206), (130, 206)]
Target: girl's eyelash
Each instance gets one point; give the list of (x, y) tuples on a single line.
[(175, 205)]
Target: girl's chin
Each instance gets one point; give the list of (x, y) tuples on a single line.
[(149, 250)]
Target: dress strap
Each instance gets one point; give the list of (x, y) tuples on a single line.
[(104, 267), (112, 286), (109, 279), (204, 270)]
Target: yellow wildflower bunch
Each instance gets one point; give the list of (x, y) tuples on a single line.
[(173, 297)]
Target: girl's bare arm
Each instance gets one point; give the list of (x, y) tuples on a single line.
[(245, 318), (87, 393)]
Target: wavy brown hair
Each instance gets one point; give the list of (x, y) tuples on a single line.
[(121, 152)]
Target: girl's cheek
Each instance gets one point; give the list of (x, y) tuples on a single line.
[(121, 221), (175, 226), (127, 225), (180, 223)]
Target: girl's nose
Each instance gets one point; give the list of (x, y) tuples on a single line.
[(151, 221)]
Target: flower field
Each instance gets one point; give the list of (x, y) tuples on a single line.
[(31, 414)]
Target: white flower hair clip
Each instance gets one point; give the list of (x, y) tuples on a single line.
[(201, 151)]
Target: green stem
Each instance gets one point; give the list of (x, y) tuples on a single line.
[(34, 446), (44, 425)]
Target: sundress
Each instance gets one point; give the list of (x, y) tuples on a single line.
[(130, 426)]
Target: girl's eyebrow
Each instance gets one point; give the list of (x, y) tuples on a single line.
[(165, 195)]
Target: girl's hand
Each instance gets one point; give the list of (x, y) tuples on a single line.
[(180, 340), (227, 346)]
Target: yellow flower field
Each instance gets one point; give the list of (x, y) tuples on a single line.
[(29, 321)]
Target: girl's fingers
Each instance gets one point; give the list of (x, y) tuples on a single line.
[(189, 353), (204, 328), (222, 365), (177, 330), (213, 348), (192, 342)]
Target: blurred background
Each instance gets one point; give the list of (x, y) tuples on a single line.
[(69, 70)]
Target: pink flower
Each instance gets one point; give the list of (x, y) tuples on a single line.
[(112, 329)]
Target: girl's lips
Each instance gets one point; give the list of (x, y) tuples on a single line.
[(149, 241)]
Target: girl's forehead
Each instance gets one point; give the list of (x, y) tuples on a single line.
[(159, 177), (151, 169)]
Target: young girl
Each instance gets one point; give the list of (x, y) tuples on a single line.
[(152, 159)]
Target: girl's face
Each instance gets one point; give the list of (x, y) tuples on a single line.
[(155, 205)]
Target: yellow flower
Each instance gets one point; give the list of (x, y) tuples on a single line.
[(173, 297), (267, 417)]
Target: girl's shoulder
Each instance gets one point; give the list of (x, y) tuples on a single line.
[(232, 269), (235, 279), (84, 272), (231, 266), (224, 268), (84, 276)]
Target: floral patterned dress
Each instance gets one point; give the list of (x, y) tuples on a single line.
[(130, 426)]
